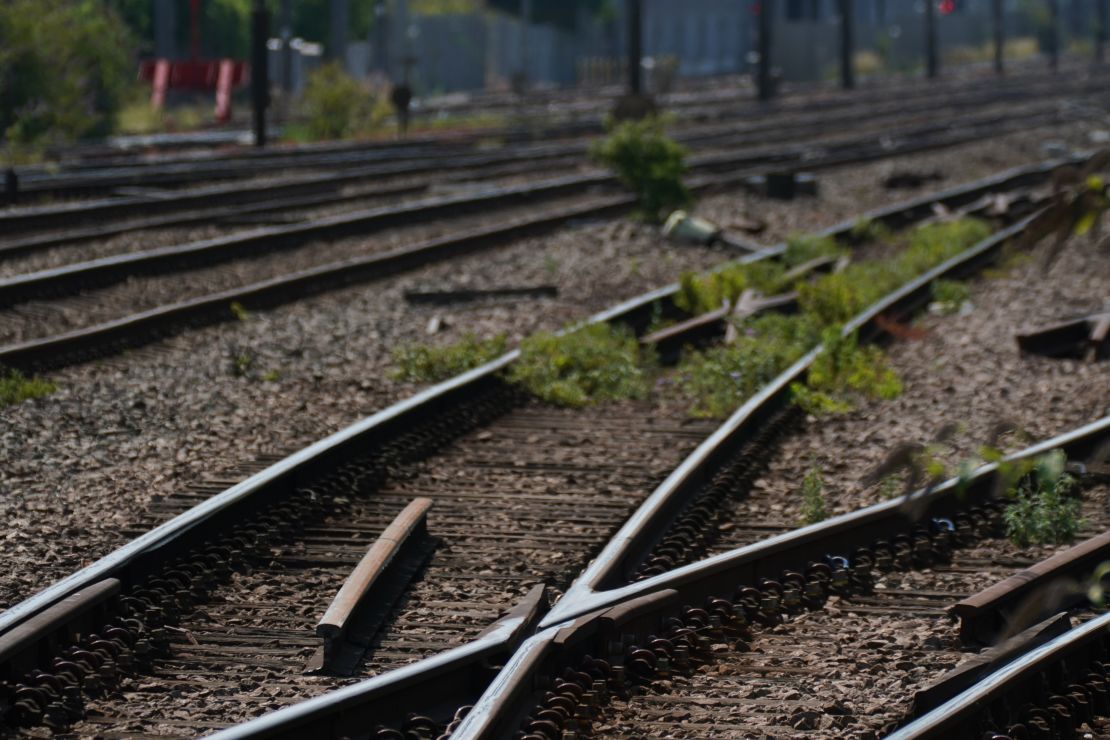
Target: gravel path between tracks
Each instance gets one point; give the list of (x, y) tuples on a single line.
[(966, 371), (849, 670), (83, 463)]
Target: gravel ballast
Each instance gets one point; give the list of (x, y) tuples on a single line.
[(84, 462)]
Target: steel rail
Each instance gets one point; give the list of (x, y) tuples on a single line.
[(282, 477), (421, 163), (223, 196), (435, 685), (607, 575), (1028, 680), (108, 173), (132, 562), (115, 267), (569, 634), (135, 329)]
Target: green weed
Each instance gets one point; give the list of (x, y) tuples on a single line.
[(813, 498), (1042, 509), (428, 364), (598, 362), (866, 230), (950, 295), (844, 371), (238, 311), (649, 162), (801, 248), (719, 379), (15, 388), (698, 294), (838, 297)]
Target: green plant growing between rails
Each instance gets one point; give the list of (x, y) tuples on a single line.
[(949, 296), (649, 162), (598, 362), (844, 371), (719, 379), (1043, 509), (15, 388), (430, 364), (813, 508)]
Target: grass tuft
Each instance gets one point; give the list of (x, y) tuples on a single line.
[(1043, 509), (595, 363), (813, 498), (428, 364), (15, 388)]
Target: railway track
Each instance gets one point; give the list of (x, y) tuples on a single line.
[(351, 166), (75, 340), (169, 586)]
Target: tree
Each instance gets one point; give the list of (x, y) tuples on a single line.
[(65, 67)]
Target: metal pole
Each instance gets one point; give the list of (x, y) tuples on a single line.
[(260, 74), (1100, 31), (635, 46), (525, 20), (339, 25), (165, 29), (847, 51), (194, 28), (381, 37), (766, 11), (999, 35), (1054, 34), (930, 39), (286, 48)]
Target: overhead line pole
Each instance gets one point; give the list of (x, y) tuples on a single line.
[(999, 36), (766, 13), (931, 65), (847, 51), (260, 77), (635, 46)]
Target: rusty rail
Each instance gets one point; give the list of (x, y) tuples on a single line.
[(1012, 605), (346, 628)]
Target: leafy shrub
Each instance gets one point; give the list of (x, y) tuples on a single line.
[(65, 69), (14, 388), (721, 378), (1043, 511), (649, 162), (845, 370), (838, 297), (426, 364), (336, 105), (813, 498), (598, 362), (701, 293)]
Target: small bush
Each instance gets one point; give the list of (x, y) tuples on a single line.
[(843, 371), (598, 362), (335, 104), (813, 498), (1043, 511), (720, 379), (838, 297), (701, 293), (647, 161), (427, 364), (14, 388)]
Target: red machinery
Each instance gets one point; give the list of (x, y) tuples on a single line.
[(220, 75)]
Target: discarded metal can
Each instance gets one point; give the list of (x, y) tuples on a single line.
[(682, 227)]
